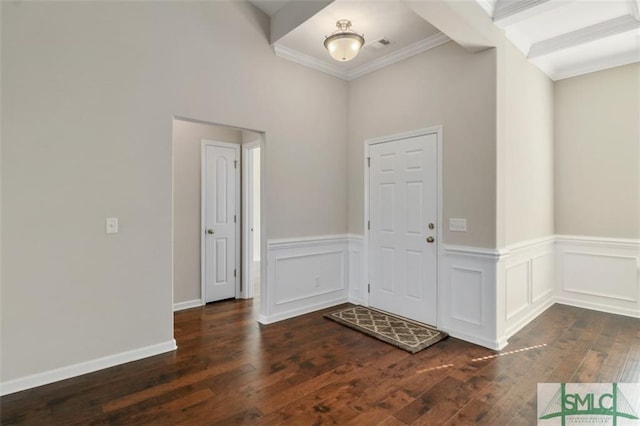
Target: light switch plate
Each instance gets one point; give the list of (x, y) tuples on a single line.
[(457, 224), (112, 225)]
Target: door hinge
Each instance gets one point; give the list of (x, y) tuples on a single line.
[(368, 161), (234, 273), (369, 224), (234, 218), (369, 288), (235, 164)]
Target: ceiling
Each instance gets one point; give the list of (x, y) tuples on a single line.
[(568, 38), (563, 38)]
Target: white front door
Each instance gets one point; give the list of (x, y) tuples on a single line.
[(220, 162), (403, 212)]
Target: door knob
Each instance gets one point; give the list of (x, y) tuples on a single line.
[(210, 231), (430, 239)]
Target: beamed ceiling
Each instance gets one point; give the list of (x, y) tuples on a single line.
[(562, 38)]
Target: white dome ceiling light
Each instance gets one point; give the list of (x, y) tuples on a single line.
[(344, 44)]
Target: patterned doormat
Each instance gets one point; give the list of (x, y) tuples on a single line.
[(402, 333)]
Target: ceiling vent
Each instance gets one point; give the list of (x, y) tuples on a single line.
[(379, 44)]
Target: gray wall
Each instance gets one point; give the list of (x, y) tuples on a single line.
[(88, 94), (597, 152), (446, 86), (527, 185), (187, 144)]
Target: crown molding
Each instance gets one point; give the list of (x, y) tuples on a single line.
[(308, 61), (506, 9), (328, 68), (611, 62), (635, 8), (584, 35), (397, 56), (487, 6)]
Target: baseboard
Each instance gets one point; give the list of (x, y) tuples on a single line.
[(598, 307), (355, 301), (491, 344), (180, 306), (530, 316), (44, 378), (270, 319)]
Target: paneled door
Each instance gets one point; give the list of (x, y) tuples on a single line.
[(219, 225), (403, 213)]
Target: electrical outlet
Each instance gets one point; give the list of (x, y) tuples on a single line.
[(457, 224), (317, 281), (112, 225)]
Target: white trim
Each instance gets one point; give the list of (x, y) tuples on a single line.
[(203, 206), (482, 252), (583, 35), (308, 61), (270, 319), (62, 373), (487, 6), (504, 10), (597, 307), (623, 243), (399, 55), (315, 240), (634, 6), (497, 344), (513, 249), (438, 131), (530, 316), (247, 291), (180, 306), (619, 60), (348, 75)]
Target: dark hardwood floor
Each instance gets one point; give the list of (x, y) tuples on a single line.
[(308, 370)]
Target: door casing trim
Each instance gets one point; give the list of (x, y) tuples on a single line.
[(438, 131)]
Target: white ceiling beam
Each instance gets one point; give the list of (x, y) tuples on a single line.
[(525, 11), (292, 15), (508, 12), (584, 35), (465, 22), (635, 8)]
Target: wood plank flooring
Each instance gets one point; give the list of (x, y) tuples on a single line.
[(308, 370)]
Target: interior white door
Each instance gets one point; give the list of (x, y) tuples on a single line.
[(220, 191), (403, 211)]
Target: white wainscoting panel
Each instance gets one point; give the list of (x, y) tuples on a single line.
[(527, 281), (468, 295), (599, 273), (305, 275)]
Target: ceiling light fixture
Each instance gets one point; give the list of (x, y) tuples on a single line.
[(344, 44)]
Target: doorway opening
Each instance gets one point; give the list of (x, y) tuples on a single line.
[(251, 229), (212, 254)]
